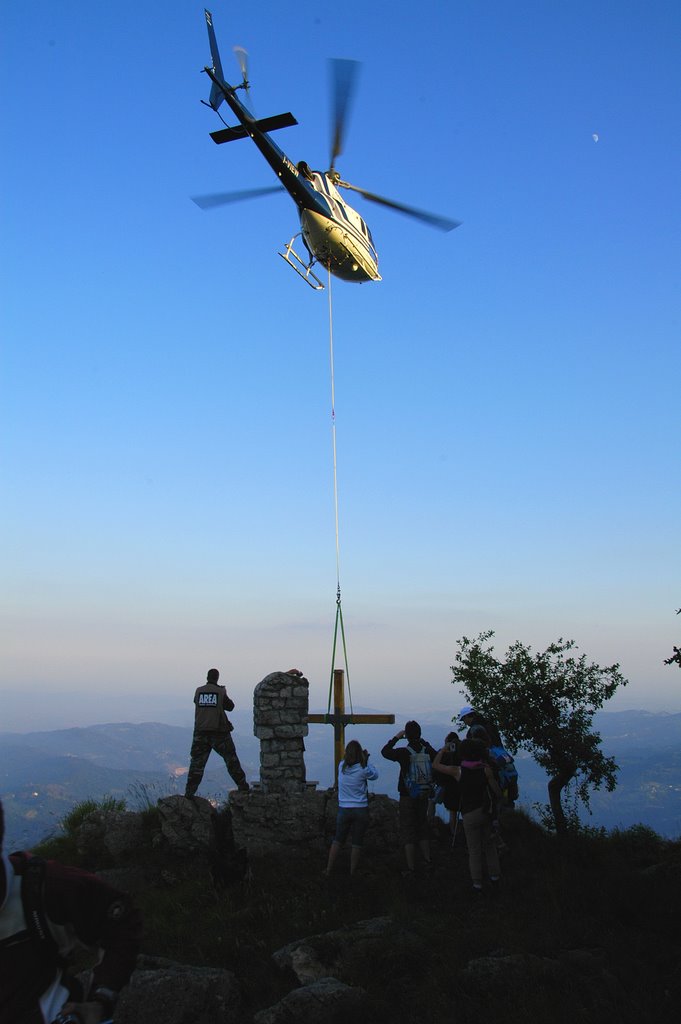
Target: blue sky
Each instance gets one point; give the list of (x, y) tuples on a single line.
[(506, 398)]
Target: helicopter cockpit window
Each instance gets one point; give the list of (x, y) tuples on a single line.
[(365, 231)]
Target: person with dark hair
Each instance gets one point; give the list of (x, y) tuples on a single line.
[(48, 913), (354, 772), (212, 731), (415, 786), (480, 796)]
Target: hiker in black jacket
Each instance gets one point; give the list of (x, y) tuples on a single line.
[(415, 786)]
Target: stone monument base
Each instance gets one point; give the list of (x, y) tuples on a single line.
[(264, 821)]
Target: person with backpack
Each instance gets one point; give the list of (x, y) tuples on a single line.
[(415, 787), (501, 761), (479, 799), (354, 772), (48, 913), (212, 731)]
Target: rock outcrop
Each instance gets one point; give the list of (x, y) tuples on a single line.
[(164, 991), (186, 825), (319, 956), (326, 1001)]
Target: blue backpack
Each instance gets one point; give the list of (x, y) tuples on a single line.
[(507, 773)]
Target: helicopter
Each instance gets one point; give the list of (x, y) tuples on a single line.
[(335, 235)]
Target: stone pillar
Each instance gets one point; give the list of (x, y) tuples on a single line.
[(280, 707)]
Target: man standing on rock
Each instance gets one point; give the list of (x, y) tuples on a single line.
[(212, 731)]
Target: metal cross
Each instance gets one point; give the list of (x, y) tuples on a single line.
[(339, 719)]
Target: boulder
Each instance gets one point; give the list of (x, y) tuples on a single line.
[(116, 834), (171, 993), (492, 972), (582, 971), (325, 1001), (320, 956), (186, 825)]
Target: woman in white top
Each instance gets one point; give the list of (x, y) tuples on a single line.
[(354, 772)]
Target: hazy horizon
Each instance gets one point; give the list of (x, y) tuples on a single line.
[(81, 709)]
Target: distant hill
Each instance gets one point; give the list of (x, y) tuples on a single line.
[(44, 774)]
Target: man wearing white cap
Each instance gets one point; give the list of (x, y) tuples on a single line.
[(472, 718)]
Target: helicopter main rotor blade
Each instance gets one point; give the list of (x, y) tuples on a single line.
[(434, 220), (343, 83), (223, 198)]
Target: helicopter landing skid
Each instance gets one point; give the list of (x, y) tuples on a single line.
[(301, 268)]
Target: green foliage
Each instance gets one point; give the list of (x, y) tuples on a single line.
[(544, 702), (64, 846), (573, 823), (72, 821)]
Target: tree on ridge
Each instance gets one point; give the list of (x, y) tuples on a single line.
[(545, 704)]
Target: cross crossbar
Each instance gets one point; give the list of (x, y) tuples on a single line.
[(339, 719)]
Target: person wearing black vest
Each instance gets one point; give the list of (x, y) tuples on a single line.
[(212, 731)]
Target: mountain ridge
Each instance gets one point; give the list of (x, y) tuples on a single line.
[(45, 772)]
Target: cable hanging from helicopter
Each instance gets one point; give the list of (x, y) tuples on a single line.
[(339, 609)]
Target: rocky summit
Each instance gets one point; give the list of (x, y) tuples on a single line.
[(241, 925)]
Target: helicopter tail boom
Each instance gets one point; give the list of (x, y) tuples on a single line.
[(216, 90)]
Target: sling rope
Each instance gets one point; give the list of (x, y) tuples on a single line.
[(339, 610)]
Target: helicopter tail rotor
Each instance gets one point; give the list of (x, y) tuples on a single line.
[(242, 59)]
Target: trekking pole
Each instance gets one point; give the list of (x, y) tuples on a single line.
[(456, 828)]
